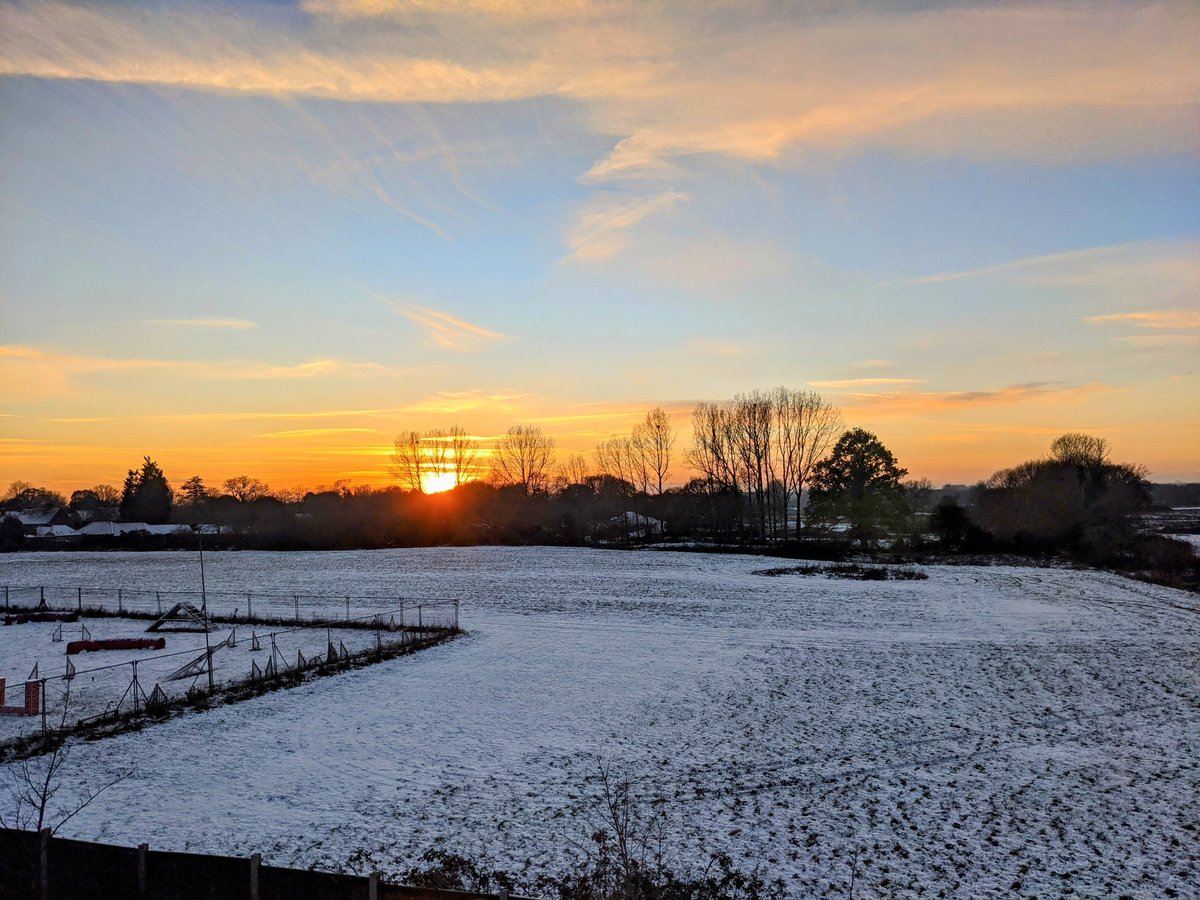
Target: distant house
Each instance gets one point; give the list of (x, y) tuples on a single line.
[(113, 529), (98, 514), (57, 532), (33, 519)]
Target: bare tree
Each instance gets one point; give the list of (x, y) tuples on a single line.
[(807, 426), (615, 458), (654, 439), (575, 469), (405, 462), (1078, 449), (752, 427), (523, 456), (245, 489), (464, 450), (435, 456), (35, 784)]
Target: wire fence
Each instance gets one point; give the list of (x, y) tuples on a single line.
[(287, 636), (233, 606)]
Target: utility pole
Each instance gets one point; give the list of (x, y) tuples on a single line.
[(208, 654)]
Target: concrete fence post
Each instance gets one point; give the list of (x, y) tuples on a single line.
[(141, 869), (44, 864), (373, 886), (255, 862)]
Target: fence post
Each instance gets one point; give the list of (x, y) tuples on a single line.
[(79, 599), (249, 606), (255, 862), (373, 886), (43, 698), (401, 613), (419, 615), (44, 864), (120, 599), (42, 601), (6, 598), (456, 615), (141, 869), (347, 609), (296, 600), (158, 600)]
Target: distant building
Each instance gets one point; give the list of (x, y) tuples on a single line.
[(33, 519)]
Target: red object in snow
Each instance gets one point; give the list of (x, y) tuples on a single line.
[(74, 647), (33, 700)]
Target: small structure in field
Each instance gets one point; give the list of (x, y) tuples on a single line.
[(181, 617)]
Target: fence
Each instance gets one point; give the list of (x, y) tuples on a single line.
[(244, 653), (37, 866), (243, 606)]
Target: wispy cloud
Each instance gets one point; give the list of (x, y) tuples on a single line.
[(315, 432), (1140, 261), (375, 9), (1173, 319), (31, 365), (454, 402), (908, 403), (862, 382), (442, 328), (231, 324), (1056, 82), (1008, 81), (601, 228)]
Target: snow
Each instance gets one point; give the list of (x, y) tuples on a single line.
[(1192, 540), (986, 726)]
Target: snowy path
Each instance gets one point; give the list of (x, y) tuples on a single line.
[(986, 727)]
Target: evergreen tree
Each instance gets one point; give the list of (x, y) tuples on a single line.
[(146, 496)]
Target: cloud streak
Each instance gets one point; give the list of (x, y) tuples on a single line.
[(1174, 319), (231, 324), (32, 364), (443, 329), (909, 403), (601, 228), (862, 382)]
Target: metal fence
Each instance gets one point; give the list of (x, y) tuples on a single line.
[(287, 635), (246, 606)]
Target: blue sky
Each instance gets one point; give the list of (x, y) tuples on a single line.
[(265, 238)]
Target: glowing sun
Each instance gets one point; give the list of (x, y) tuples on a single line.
[(436, 482)]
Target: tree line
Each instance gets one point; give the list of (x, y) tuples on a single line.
[(773, 469)]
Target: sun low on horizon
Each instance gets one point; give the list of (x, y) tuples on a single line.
[(437, 482), (265, 238)]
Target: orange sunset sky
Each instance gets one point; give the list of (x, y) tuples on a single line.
[(264, 238)]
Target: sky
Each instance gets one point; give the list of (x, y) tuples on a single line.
[(264, 238)]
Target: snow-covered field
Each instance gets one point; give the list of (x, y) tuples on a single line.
[(985, 727)]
